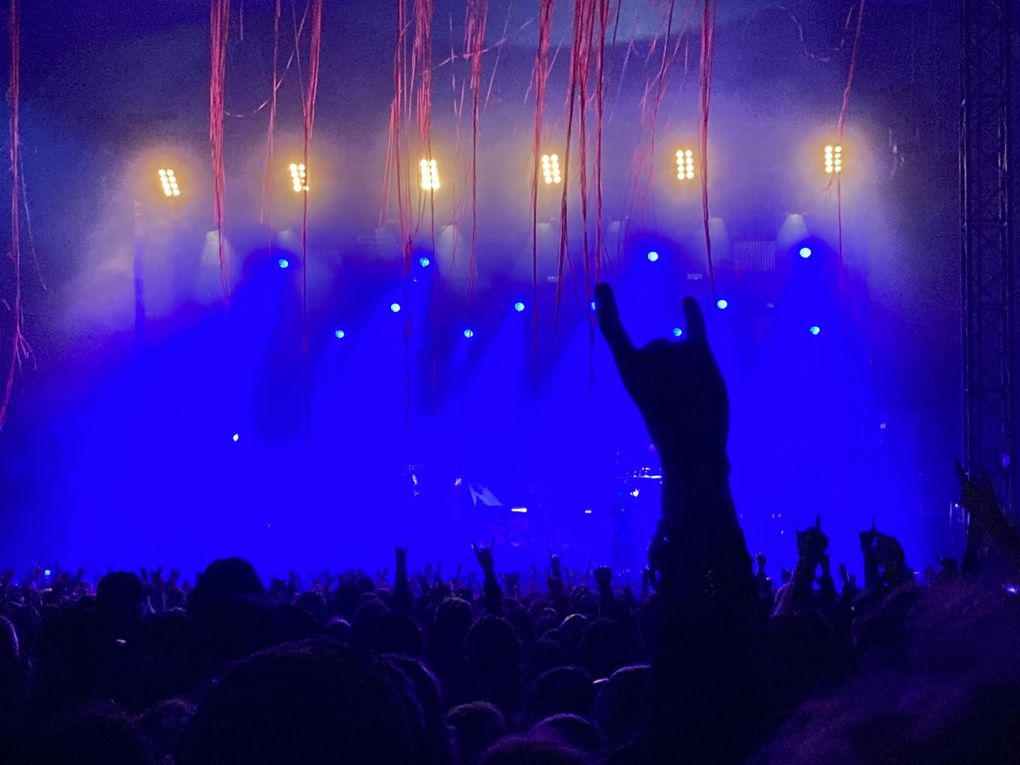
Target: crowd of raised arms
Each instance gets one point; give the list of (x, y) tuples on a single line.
[(710, 662)]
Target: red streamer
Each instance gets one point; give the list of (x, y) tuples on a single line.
[(269, 172), (477, 12), (541, 79), (704, 98), (308, 105), (18, 347), (844, 108), (219, 32)]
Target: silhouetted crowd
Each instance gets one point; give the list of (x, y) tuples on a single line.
[(710, 661), (145, 668)]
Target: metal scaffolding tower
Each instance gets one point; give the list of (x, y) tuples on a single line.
[(987, 260)]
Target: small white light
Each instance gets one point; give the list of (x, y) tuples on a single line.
[(551, 169), (168, 180), (235, 437), (684, 164), (298, 177), (833, 159), (518, 509), (429, 174)]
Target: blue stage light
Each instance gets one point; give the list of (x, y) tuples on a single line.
[(677, 332), (722, 304), (593, 305), (805, 252), (235, 437), (653, 256), (283, 263), (518, 306), (469, 333), (424, 262), (814, 330), (395, 307), (340, 334)]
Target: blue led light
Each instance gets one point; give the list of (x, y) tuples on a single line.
[(722, 304), (518, 306), (653, 256), (283, 263), (805, 252), (424, 262), (677, 332), (814, 330), (395, 307), (469, 333), (340, 334)]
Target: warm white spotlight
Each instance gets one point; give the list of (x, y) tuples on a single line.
[(168, 179), (833, 159), (298, 177), (551, 169), (684, 165), (429, 174)]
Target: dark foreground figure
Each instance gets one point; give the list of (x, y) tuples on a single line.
[(707, 662)]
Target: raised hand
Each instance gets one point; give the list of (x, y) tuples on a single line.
[(484, 556), (812, 544), (603, 577), (676, 385)]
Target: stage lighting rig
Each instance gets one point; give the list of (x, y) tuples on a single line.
[(298, 177), (833, 159), (168, 179), (551, 169), (429, 172), (684, 165)]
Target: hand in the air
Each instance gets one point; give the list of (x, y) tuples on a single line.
[(676, 384)]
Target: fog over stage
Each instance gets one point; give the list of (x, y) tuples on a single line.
[(355, 392)]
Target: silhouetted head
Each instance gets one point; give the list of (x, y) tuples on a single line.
[(573, 730), (533, 751), (604, 647), (452, 622), (119, 599), (223, 578), (303, 704), (87, 736), (493, 652), (476, 727), (562, 690), (386, 632), (622, 704)]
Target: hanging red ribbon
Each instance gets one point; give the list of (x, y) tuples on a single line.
[(18, 348), (219, 33)]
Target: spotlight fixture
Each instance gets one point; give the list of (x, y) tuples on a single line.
[(551, 169), (424, 262), (815, 330), (340, 334), (684, 165), (833, 159), (429, 172), (298, 177), (395, 307), (652, 256), (168, 179), (469, 333), (519, 306), (722, 304), (283, 263), (805, 252)]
